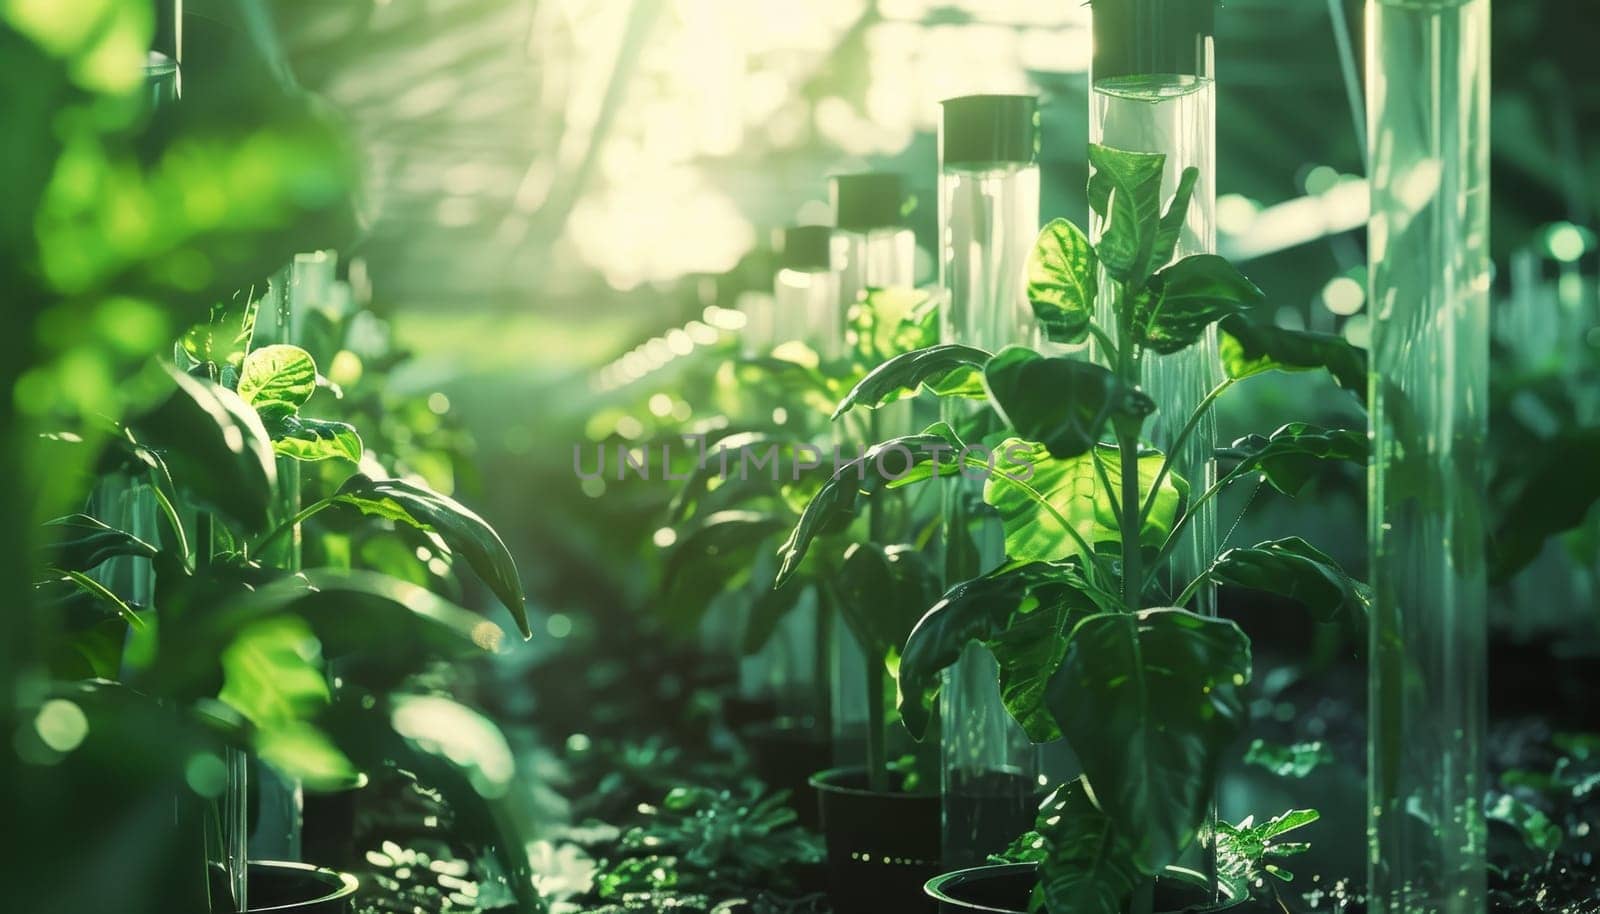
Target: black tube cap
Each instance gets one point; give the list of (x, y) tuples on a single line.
[(808, 247), (1153, 37), (866, 200), (989, 129)]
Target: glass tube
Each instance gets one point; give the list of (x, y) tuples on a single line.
[(1154, 91), (808, 310), (872, 251), (988, 220), (1428, 250)]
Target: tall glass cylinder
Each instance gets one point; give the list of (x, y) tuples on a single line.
[(872, 250), (1428, 250), (806, 291), (988, 220), (793, 664), (1154, 91)]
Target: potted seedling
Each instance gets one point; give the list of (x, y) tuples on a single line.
[(882, 818), (1090, 645)]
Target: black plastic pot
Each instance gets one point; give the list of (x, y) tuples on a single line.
[(297, 888), (328, 826), (882, 847), (1005, 889), (787, 752)]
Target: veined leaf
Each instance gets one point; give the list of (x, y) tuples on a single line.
[(1039, 497), (1243, 850), (277, 380), (1149, 701), (1289, 457), (1182, 300), (1022, 613), (1249, 348), (1063, 279), (941, 367), (1295, 569), (1134, 216), (1062, 403), (467, 534), (315, 439), (839, 499), (1088, 865)]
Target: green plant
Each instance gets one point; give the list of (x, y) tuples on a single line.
[(873, 577), (243, 642), (1090, 644)]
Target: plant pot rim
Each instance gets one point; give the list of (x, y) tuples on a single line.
[(347, 884), (827, 781), (936, 887)]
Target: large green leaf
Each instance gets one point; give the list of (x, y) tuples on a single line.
[(1038, 497), (467, 534), (1022, 613), (273, 675), (277, 380), (839, 499), (86, 542), (882, 591), (1088, 865), (1184, 299), (1063, 279), (1149, 700), (1290, 457), (381, 630), (315, 439), (1062, 403), (214, 447), (708, 485), (1133, 211), (943, 368), (1249, 348), (1295, 569)]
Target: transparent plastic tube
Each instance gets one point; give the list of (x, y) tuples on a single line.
[(1428, 110), (1153, 91), (988, 220)]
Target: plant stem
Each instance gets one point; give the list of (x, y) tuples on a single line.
[(877, 726), (1178, 443), (1128, 519), (302, 516)]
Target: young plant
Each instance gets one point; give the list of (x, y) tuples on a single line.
[(239, 645), (729, 523), (1091, 644)]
